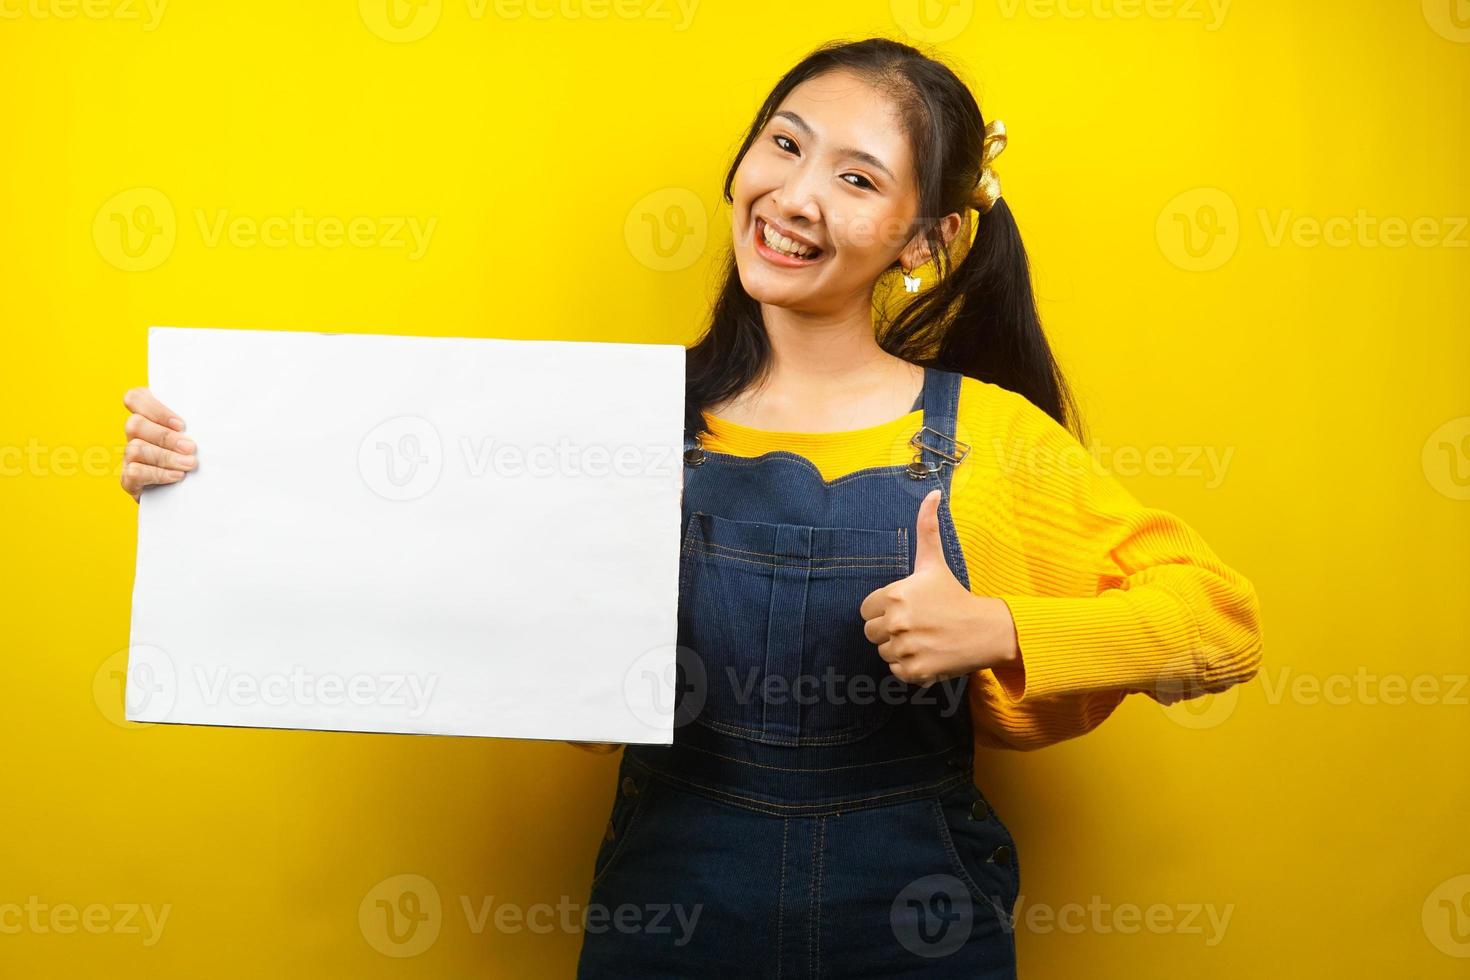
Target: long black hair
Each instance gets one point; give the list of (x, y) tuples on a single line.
[(980, 317)]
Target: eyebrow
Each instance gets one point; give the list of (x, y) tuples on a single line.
[(849, 151)]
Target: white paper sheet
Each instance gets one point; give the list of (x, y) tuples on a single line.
[(413, 534)]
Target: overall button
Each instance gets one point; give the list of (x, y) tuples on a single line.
[(630, 786), (978, 810), (1001, 855)]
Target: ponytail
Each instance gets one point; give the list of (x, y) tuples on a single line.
[(982, 316)]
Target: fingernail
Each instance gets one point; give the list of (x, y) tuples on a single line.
[(187, 460), (176, 422), (186, 445)]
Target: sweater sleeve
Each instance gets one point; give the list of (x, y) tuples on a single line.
[(1109, 596)]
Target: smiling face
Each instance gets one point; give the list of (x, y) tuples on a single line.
[(831, 174)]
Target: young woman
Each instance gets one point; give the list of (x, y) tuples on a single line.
[(1015, 593), (894, 549)]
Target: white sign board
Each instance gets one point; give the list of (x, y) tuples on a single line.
[(427, 535)]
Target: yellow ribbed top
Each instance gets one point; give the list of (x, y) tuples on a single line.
[(1110, 597)]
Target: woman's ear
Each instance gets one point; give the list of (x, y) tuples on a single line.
[(917, 252)]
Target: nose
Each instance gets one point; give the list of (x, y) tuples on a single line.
[(799, 197)]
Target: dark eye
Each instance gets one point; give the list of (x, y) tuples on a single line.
[(865, 181), (781, 136)]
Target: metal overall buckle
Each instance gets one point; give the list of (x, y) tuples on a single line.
[(695, 456), (922, 469)]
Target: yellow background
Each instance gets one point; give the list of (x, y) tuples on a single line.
[(570, 157)]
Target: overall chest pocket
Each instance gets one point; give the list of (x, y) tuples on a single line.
[(774, 642)]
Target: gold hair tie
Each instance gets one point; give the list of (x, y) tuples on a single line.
[(987, 190)]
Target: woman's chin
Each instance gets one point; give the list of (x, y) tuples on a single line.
[(776, 294), (770, 287)]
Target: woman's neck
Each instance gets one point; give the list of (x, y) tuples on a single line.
[(825, 376)]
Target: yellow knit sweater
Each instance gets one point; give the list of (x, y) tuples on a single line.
[(1110, 597)]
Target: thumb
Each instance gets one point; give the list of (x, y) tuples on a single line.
[(929, 550)]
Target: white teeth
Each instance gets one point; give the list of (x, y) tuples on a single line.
[(783, 244)]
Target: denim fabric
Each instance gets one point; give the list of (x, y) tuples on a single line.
[(815, 817)]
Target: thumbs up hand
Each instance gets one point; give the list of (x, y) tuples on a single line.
[(928, 626)]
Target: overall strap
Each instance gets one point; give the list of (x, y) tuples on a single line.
[(935, 444)]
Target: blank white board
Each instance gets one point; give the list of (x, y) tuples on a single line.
[(431, 535)]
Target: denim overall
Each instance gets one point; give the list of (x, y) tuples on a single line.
[(815, 817)]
